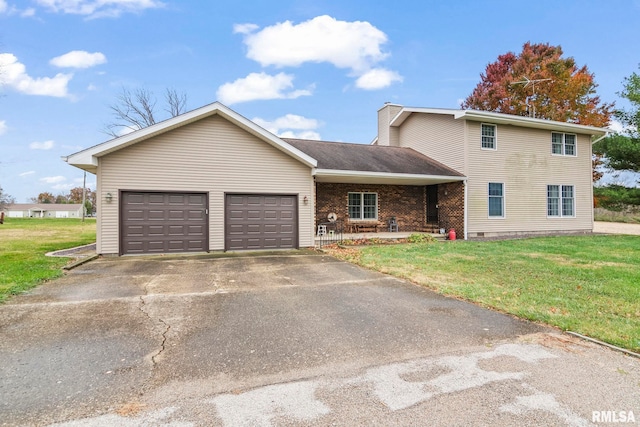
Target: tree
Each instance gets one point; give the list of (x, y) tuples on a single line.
[(137, 110), (75, 196), (44, 198), (540, 82), (5, 199), (622, 150)]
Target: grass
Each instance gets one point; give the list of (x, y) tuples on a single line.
[(629, 216), (586, 284), (24, 242)]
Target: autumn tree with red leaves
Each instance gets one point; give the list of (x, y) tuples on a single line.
[(568, 96)]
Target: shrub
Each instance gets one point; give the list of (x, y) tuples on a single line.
[(420, 238)]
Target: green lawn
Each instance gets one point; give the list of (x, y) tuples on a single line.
[(23, 243), (586, 284)]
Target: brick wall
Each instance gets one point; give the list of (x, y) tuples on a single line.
[(451, 207), (405, 202)]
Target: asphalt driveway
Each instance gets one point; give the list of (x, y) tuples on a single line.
[(287, 340)]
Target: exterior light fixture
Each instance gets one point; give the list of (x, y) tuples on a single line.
[(108, 197), (305, 200)]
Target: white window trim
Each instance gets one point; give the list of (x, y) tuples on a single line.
[(560, 198), (504, 204), (362, 218), (495, 136), (564, 145)]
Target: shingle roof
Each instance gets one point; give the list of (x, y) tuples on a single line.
[(370, 158), (45, 206)]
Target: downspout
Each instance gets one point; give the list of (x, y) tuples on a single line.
[(466, 222)]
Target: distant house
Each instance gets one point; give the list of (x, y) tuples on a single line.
[(43, 210), (210, 179)]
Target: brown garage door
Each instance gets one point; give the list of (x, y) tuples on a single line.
[(258, 221), (153, 222)]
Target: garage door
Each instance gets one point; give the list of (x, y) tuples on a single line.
[(256, 221), (163, 222)]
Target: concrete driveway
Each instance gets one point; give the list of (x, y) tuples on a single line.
[(287, 340)]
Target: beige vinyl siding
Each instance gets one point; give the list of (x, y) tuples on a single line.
[(524, 163), (438, 136), (213, 156), (387, 135)]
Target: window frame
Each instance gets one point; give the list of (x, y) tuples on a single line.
[(362, 205), (502, 201), (494, 136), (560, 201), (563, 144)]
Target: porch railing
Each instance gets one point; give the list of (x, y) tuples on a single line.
[(328, 233)]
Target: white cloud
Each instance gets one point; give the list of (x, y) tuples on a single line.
[(377, 78), (3, 126), (53, 179), (99, 8), (15, 76), (46, 145), (27, 173), (259, 86), (620, 128), (12, 10), (284, 126), (242, 28), (79, 59), (307, 134), (354, 45)]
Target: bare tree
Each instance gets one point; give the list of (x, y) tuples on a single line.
[(176, 102), (137, 110), (5, 199)]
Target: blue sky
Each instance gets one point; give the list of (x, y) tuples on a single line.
[(315, 69)]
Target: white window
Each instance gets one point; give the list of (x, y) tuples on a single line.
[(363, 206), (560, 201), (563, 144), (496, 200), (488, 136)]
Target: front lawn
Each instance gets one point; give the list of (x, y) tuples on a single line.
[(23, 243), (586, 284)]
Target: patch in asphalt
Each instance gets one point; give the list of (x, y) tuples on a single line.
[(397, 386)]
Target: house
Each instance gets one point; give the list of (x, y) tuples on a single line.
[(211, 179), (43, 210)]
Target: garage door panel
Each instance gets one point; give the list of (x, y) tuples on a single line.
[(196, 230), (156, 199), (176, 199), (134, 214), (175, 215), (163, 222), (255, 222)]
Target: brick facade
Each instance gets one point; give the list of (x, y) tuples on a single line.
[(406, 202), (451, 207)]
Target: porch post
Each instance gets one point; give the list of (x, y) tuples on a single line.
[(465, 209)]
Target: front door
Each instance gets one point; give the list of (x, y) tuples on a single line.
[(432, 204)]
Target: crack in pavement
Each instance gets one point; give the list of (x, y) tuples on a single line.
[(167, 327)]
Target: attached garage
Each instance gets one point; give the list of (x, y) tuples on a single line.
[(207, 180), (156, 222), (257, 221)]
